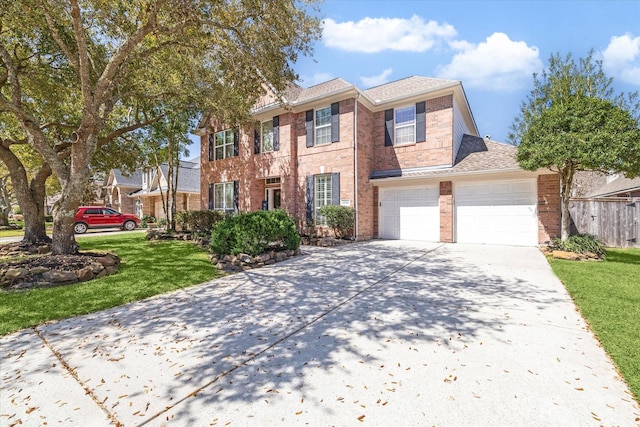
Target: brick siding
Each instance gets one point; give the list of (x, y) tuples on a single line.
[(446, 211), (548, 207)]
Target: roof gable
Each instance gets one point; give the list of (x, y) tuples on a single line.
[(406, 87)]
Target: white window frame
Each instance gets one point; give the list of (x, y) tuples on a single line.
[(322, 195), (223, 203), (266, 137), (404, 126), (224, 141), (322, 123)]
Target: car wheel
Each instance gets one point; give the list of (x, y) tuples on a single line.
[(80, 228), (129, 225)]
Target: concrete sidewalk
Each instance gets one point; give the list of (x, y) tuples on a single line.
[(377, 333)]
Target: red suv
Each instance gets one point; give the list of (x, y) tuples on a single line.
[(103, 217)]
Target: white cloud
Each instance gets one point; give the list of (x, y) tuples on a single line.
[(622, 58), (371, 35), (495, 64), (317, 78), (381, 78)]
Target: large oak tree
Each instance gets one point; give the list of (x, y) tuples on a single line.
[(80, 76), (572, 121)]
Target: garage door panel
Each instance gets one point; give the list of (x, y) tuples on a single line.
[(410, 213), (501, 212)]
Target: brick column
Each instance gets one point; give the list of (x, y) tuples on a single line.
[(548, 207), (446, 212)]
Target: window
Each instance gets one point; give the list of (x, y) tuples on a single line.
[(405, 125), (266, 135), (273, 181), (322, 196), (323, 126), (224, 144), (223, 197)]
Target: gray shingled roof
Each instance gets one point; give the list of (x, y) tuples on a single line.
[(321, 89), (405, 87), (475, 155), (618, 185), (188, 176), (129, 180)]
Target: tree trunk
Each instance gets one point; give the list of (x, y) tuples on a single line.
[(566, 182), (30, 196), (64, 240)]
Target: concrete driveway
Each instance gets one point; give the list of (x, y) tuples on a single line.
[(378, 333)]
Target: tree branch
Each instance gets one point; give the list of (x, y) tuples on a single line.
[(57, 37), (119, 132), (83, 63)]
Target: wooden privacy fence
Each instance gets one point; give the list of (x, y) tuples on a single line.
[(613, 220)]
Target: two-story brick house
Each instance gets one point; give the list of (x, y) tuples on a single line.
[(407, 155)]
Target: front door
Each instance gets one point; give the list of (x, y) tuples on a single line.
[(274, 198)]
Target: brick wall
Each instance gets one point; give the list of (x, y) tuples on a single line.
[(548, 207), (337, 157), (446, 211), (367, 206)]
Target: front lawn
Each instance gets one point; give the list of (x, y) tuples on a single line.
[(608, 295), (147, 268)]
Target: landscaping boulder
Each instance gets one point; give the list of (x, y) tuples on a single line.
[(565, 255)]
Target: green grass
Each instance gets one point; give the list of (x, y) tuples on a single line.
[(20, 232), (147, 269), (608, 295)]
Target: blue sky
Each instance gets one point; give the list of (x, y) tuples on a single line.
[(493, 47)]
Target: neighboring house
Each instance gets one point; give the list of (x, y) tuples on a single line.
[(618, 186), (139, 192), (407, 155)]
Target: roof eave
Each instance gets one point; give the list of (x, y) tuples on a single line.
[(456, 174)]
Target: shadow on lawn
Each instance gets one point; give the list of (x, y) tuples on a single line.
[(624, 256), (237, 339)]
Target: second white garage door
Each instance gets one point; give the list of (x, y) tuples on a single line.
[(499, 212), (410, 213)]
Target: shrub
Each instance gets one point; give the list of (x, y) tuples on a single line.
[(146, 219), (340, 218), (581, 244), (254, 232), (199, 222)]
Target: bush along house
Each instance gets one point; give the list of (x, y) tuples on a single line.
[(407, 155)]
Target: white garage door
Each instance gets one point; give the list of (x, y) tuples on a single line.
[(410, 213), (500, 212)]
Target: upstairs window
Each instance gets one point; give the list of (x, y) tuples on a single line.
[(323, 126), (405, 125), (266, 135), (224, 144)]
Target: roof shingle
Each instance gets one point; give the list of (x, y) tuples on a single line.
[(405, 87)]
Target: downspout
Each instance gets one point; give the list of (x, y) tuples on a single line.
[(355, 164)]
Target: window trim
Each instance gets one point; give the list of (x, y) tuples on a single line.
[(226, 144), (325, 126), (224, 207), (396, 127), (326, 200), (262, 136)]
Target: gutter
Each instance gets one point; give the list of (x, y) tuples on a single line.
[(355, 164), (449, 174)]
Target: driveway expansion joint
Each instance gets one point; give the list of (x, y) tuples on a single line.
[(74, 375)]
